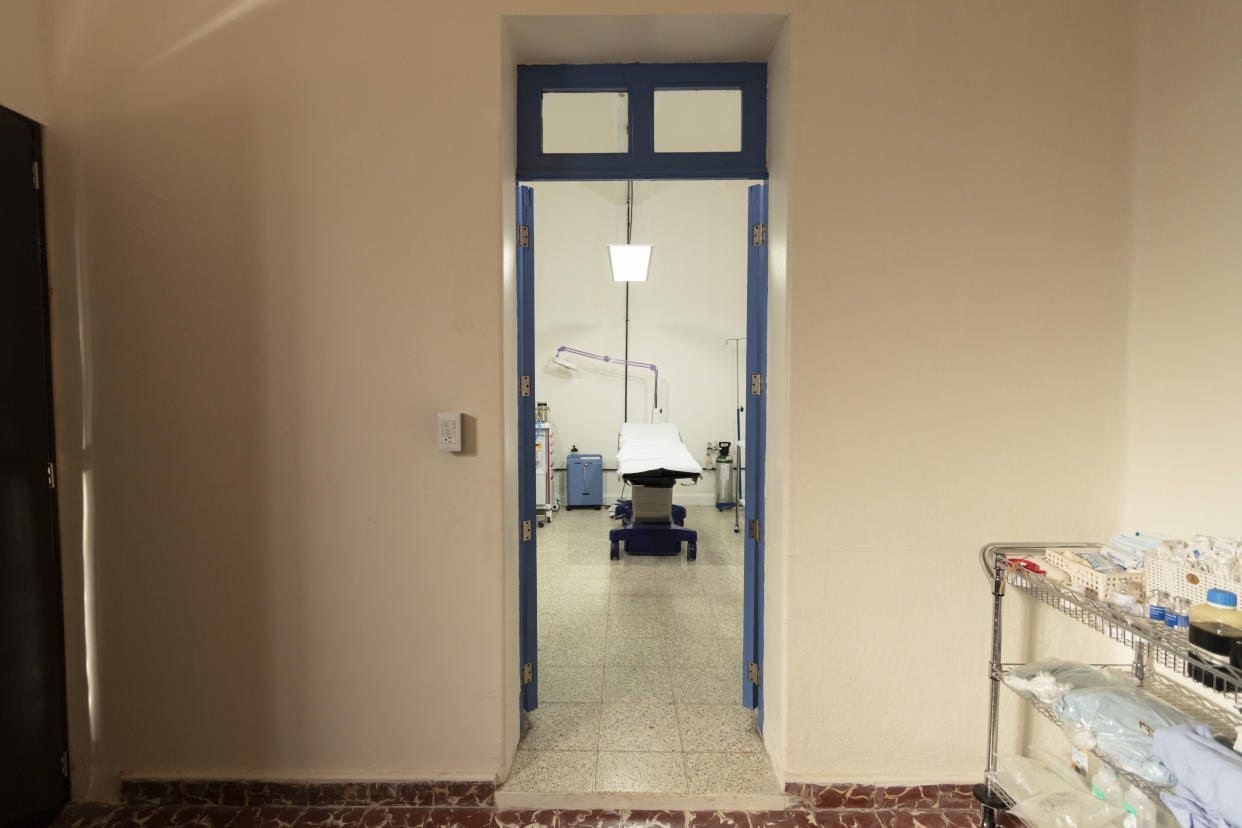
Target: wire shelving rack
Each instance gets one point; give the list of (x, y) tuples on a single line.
[(1217, 703)]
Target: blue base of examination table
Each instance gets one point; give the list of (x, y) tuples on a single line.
[(652, 539)]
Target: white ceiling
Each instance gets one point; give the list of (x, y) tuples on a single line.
[(642, 38)]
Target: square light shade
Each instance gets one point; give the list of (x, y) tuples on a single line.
[(629, 262)]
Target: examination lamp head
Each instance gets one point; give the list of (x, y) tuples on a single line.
[(564, 363)]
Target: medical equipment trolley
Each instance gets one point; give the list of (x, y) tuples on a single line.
[(584, 481), (545, 471)]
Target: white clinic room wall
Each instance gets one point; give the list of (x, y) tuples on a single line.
[(1185, 444), (693, 300), (23, 72)]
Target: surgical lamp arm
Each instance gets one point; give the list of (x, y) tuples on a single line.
[(617, 361)]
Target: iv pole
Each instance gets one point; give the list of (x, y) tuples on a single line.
[(737, 401), (629, 224)]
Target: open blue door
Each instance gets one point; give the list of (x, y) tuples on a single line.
[(756, 415), (527, 592)]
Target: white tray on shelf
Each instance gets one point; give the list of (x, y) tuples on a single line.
[(1184, 581)]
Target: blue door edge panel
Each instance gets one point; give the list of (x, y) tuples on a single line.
[(528, 634), (756, 409)]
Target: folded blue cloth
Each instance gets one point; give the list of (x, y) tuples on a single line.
[(1209, 786)]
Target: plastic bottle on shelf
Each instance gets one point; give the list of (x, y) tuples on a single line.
[(1215, 625), (1177, 614), (1181, 608), (1170, 612), (1128, 597), (1221, 607), (1157, 602), (1107, 786), (1140, 810)]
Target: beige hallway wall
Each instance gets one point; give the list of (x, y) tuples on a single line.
[(277, 250), (957, 285), (23, 80), (1185, 447), (281, 224)]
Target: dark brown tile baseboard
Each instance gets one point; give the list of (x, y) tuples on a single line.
[(944, 797), (162, 803), (242, 793), (426, 793), (89, 815)]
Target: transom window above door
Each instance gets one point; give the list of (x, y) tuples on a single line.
[(642, 121)]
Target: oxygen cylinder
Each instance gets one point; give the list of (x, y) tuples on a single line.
[(725, 486)]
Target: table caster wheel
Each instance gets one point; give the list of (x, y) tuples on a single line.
[(614, 551), (692, 550)]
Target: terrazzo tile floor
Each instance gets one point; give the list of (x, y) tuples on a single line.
[(640, 667)]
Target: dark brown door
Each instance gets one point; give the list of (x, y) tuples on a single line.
[(33, 785)]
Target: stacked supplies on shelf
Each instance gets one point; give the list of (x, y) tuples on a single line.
[(1099, 576), (1130, 551), (1187, 569), (1118, 724), (1047, 795), (1103, 711), (1049, 680), (1201, 575)]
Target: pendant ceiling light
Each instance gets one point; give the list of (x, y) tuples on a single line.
[(630, 262)]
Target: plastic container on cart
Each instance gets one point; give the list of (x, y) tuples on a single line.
[(1216, 624)]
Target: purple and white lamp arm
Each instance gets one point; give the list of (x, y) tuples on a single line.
[(617, 361)]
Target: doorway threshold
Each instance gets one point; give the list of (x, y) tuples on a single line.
[(534, 800)]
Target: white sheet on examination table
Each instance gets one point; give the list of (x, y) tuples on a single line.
[(649, 446)]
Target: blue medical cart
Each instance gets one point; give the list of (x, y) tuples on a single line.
[(584, 480)]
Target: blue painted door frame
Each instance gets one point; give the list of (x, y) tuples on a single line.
[(756, 410), (756, 424), (527, 583)]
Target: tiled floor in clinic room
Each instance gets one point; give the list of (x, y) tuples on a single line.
[(640, 667)]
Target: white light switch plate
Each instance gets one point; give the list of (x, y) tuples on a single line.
[(448, 435)]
